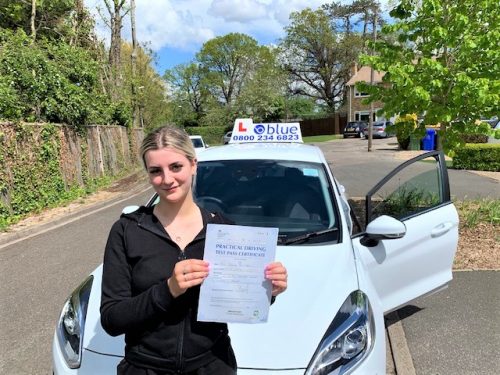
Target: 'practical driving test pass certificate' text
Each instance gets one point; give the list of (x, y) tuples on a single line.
[(236, 290)]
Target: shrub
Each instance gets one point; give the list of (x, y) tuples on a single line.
[(211, 134), (475, 138), (479, 157), (404, 127)]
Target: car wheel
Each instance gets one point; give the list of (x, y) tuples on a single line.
[(345, 136)]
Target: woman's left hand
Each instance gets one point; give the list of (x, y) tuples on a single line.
[(276, 272)]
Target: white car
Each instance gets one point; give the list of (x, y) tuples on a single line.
[(341, 279), (198, 144), (227, 137)]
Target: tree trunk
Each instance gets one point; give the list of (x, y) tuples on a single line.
[(116, 15), (133, 58), (33, 15), (372, 79)]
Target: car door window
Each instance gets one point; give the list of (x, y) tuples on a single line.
[(410, 189), (404, 268)]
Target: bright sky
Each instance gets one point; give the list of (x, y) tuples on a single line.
[(176, 29)]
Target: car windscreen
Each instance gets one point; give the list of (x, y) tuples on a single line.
[(295, 197), (197, 143)]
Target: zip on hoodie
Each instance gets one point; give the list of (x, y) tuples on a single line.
[(182, 328)]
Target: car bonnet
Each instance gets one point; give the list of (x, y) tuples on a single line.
[(320, 277), (319, 280)]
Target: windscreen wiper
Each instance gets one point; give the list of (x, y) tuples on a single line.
[(307, 236)]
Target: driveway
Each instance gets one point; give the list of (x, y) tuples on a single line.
[(359, 170)]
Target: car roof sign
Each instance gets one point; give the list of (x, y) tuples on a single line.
[(246, 131)]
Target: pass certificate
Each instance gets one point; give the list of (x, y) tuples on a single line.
[(236, 290)]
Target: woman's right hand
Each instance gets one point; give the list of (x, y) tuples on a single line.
[(187, 273)]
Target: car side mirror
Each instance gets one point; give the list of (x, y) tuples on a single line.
[(129, 209), (383, 228)]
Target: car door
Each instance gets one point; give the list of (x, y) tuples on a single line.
[(416, 193)]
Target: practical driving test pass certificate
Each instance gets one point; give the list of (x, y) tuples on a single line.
[(236, 290)]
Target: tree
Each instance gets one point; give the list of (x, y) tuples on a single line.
[(229, 61), (443, 66), (150, 91), (136, 118), (186, 80), (36, 17), (117, 11), (317, 57), (260, 97)]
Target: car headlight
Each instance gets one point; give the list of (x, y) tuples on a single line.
[(71, 325), (348, 339)]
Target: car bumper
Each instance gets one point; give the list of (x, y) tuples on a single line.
[(351, 134), (95, 363), (92, 363)]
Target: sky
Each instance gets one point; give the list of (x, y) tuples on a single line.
[(176, 29)]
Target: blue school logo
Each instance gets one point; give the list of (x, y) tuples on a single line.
[(259, 129)]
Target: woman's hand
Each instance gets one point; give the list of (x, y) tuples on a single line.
[(276, 272), (187, 273)]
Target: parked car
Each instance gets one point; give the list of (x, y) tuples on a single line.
[(227, 137), (198, 143), (342, 277), (380, 129), (355, 129), (493, 121)]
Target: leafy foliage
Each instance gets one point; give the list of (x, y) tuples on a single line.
[(52, 82), (232, 76), (478, 156), (443, 66), (405, 201)]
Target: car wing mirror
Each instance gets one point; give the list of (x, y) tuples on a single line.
[(383, 228), (129, 209)]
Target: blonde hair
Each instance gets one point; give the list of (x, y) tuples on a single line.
[(168, 136)]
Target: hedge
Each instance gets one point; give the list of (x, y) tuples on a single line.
[(211, 134), (478, 156)]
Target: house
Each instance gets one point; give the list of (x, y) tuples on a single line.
[(355, 109)]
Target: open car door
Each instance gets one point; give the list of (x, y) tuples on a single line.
[(420, 261)]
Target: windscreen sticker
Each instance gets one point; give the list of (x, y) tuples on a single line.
[(310, 172)]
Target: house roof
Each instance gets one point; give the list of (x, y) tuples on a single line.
[(364, 74)]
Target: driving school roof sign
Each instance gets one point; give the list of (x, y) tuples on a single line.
[(245, 131)]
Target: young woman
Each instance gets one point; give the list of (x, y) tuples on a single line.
[(153, 269)]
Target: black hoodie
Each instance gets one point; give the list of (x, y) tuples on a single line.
[(161, 332)]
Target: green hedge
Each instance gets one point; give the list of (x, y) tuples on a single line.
[(211, 134), (475, 138), (478, 156)]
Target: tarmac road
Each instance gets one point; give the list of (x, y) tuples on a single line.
[(36, 276), (359, 170)]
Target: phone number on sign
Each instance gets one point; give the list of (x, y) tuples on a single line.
[(264, 137)]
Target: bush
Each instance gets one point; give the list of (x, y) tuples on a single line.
[(479, 157), (211, 134), (404, 127), (475, 138), (49, 81)]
